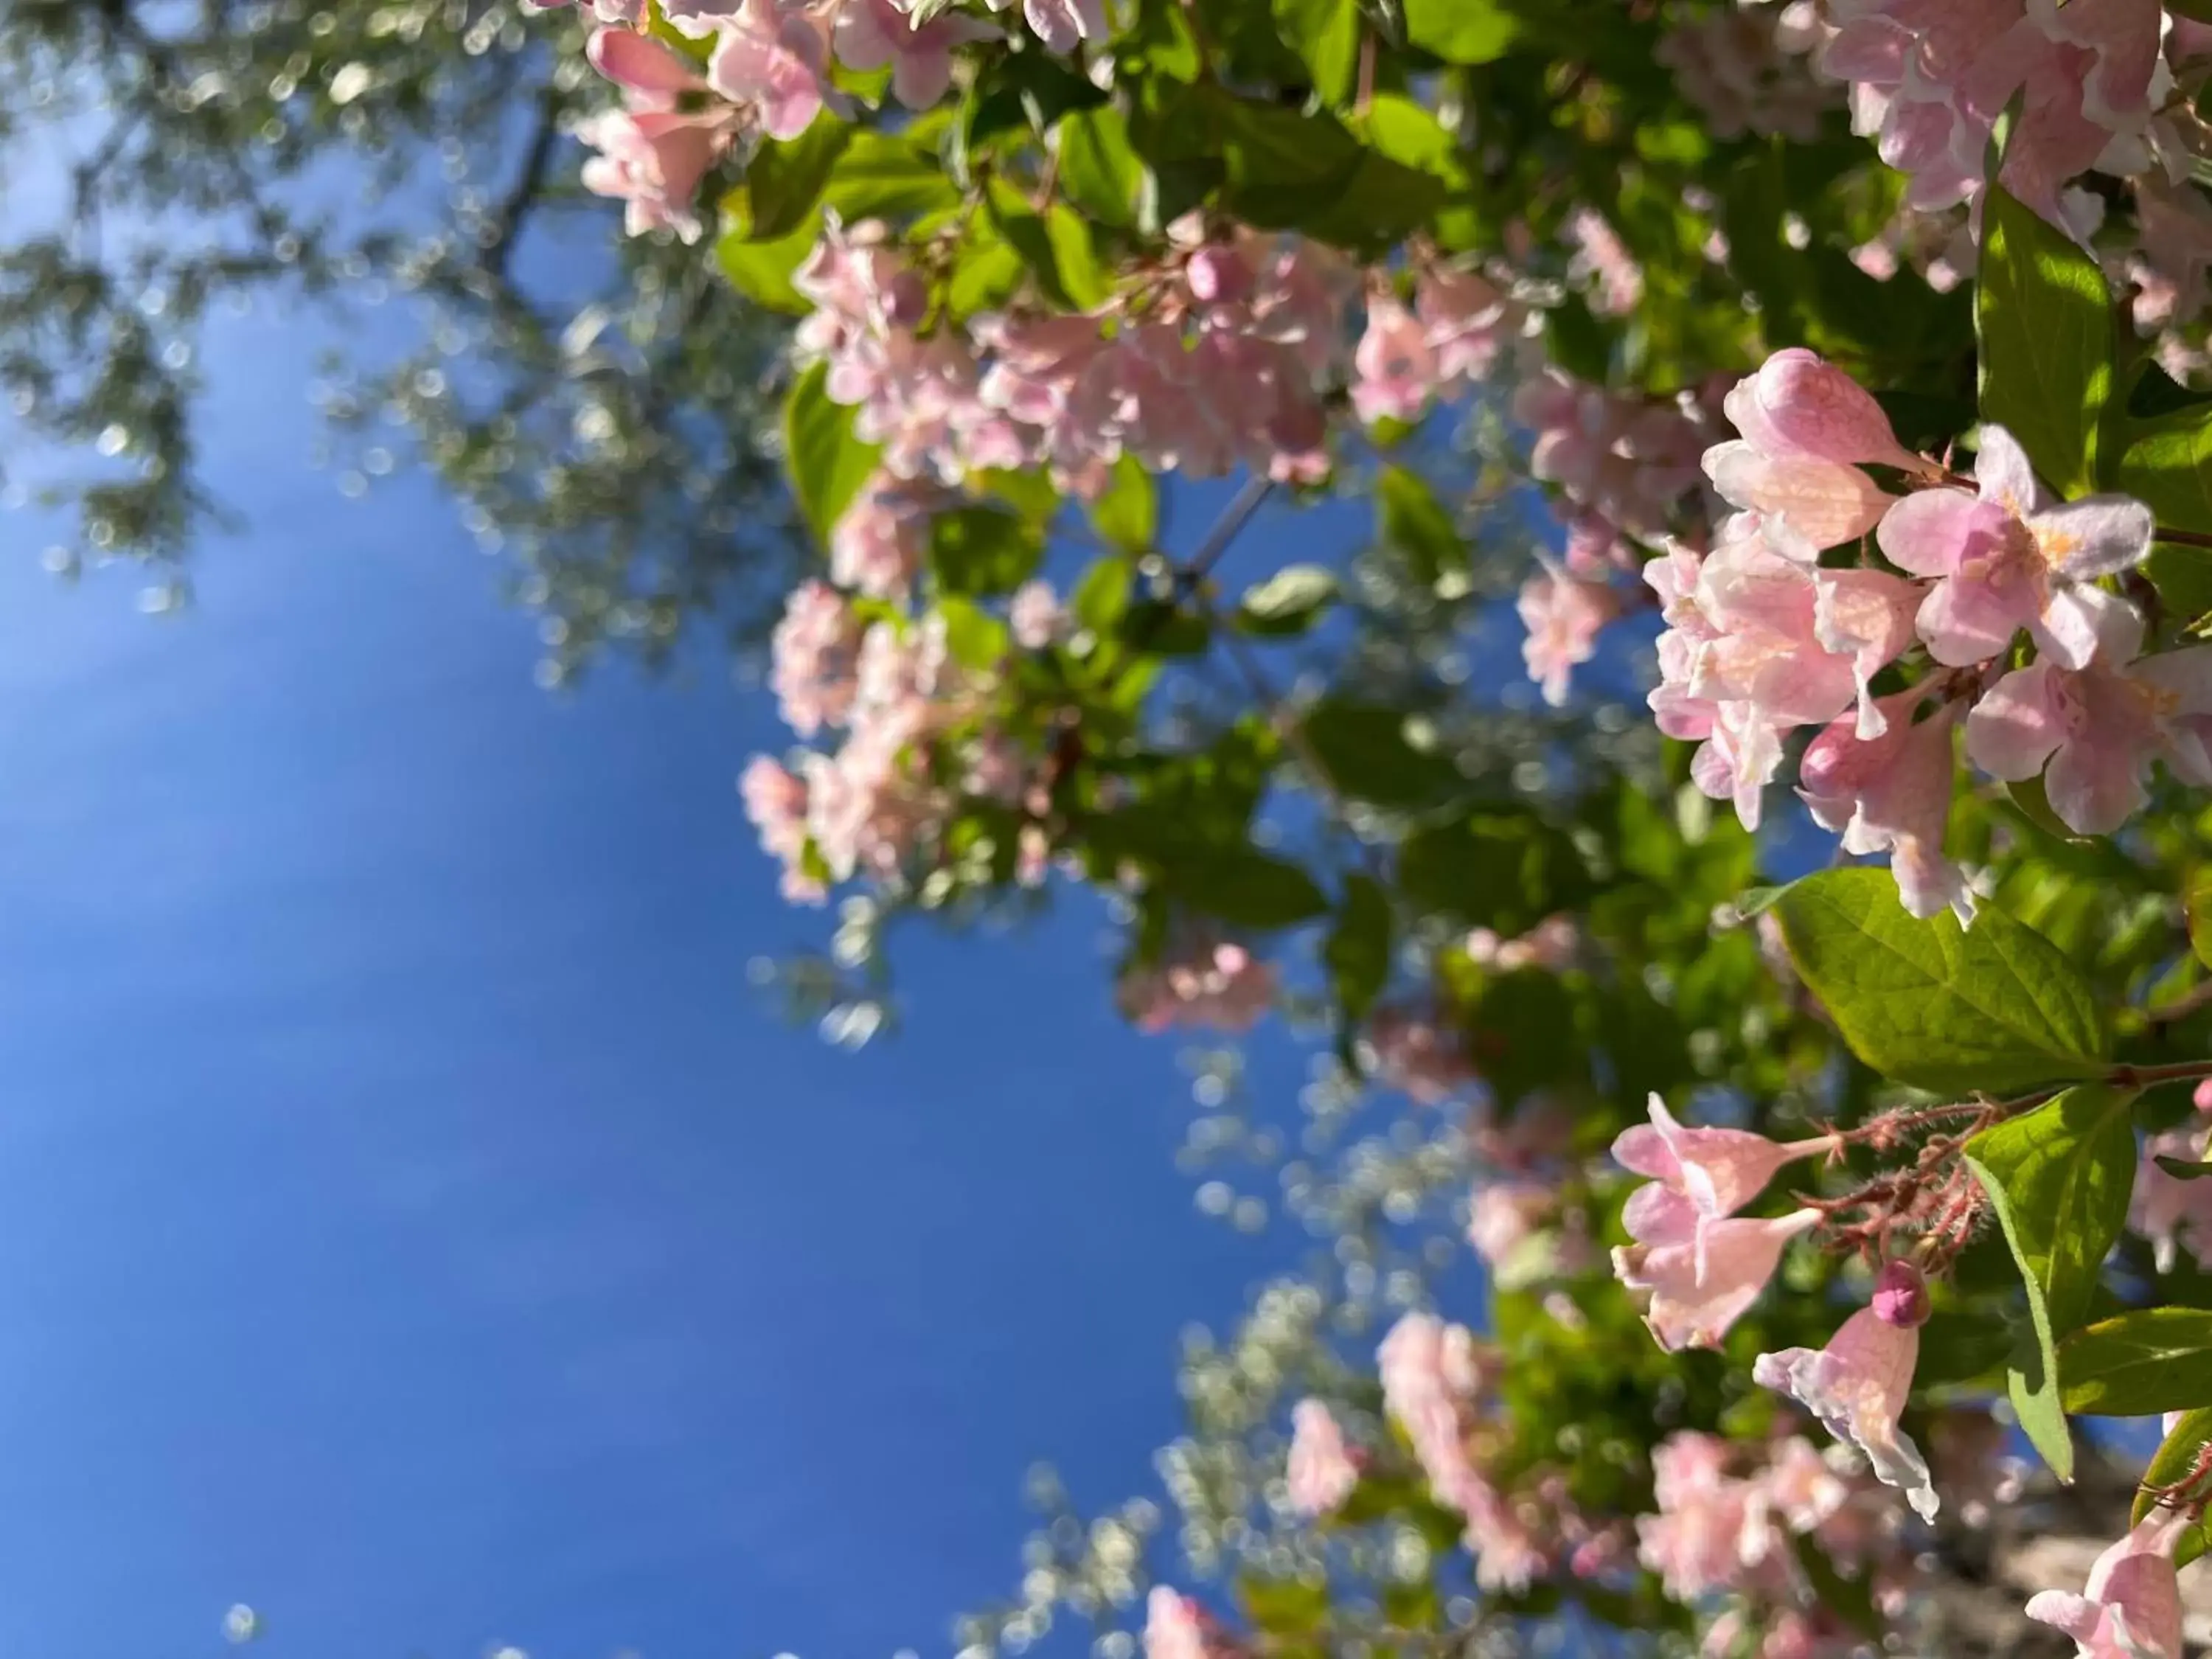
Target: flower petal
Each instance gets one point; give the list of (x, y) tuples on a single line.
[(1929, 534), (2017, 726), (2100, 536), (2004, 476)]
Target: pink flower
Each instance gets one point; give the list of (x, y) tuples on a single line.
[(1395, 366), (2008, 559), (1415, 1056), (2131, 1606), (1805, 425), (2167, 1210), (880, 542), (1710, 1527), (1601, 254), (1715, 1172), (653, 75), (1701, 1276), (1062, 25), (1564, 615), (1036, 616), (776, 801), (774, 59), (2099, 728), (870, 34), (1797, 407), (654, 161), (2200, 1097), (1858, 1384), (1209, 986), (1322, 1472), (1893, 793), (1430, 1372), (1176, 1627), (1466, 319), (1803, 1490), (815, 657)]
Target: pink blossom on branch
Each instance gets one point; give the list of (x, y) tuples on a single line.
[(1892, 793), (2131, 1606), (1322, 1471), (1701, 1276), (2006, 558), (1564, 615), (870, 34), (1857, 1386), (2100, 729), (1715, 1172)]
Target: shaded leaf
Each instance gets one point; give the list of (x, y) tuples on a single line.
[(1288, 602), (1357, 949), (2043, 318), (2140, 1364), (2176, 1460), (826, 462)]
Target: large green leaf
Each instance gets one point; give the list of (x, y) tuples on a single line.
[(2063, 1172), (885, 175), (2044, 320), (1099, 172), (1128, 511), (762, 270), (1325, 33), (2032, 1372), (1461, 30), (1994, 1007), (784, 179), (2139, 1364), (2167, 466), (2175, 1462), (826, 462)]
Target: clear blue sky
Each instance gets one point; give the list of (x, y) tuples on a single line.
[(415, 1225)]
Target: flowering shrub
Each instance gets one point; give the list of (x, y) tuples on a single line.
[(1915, 501)]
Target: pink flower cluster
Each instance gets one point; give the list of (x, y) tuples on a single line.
[(1745, 68), (1726, 1514), (1411, 1053), (1322, 1469), (1206, 984), (1623, 463), (1761, 639), (1217, 359), (2173, 1213), (1928, 79), (1176, 1627), (1552, 945), (1702, 1266)]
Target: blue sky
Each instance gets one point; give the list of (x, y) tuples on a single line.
[(419, 1228)]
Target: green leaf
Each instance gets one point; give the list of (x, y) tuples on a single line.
[(982, 550), (1461, 30), (1993, 1007), (1502, 869), (784, 179), (2167, 466), (2175, 1462), (1357, 949), (1055, 245), (2141, 1363), (1128, 511), (2182, 1169), (1245, 887), (1365, 750), (888, 176), (1411, 518), (2063, 1172), (1284, 1606), (2031, 1373), (1103, 595), (1099, 172), (1288, 602), (826, 464), (1165, 629), (2043, 318), (1288, 171), (974, 638), (1325, 35), (2198, 905), (762, 270)]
